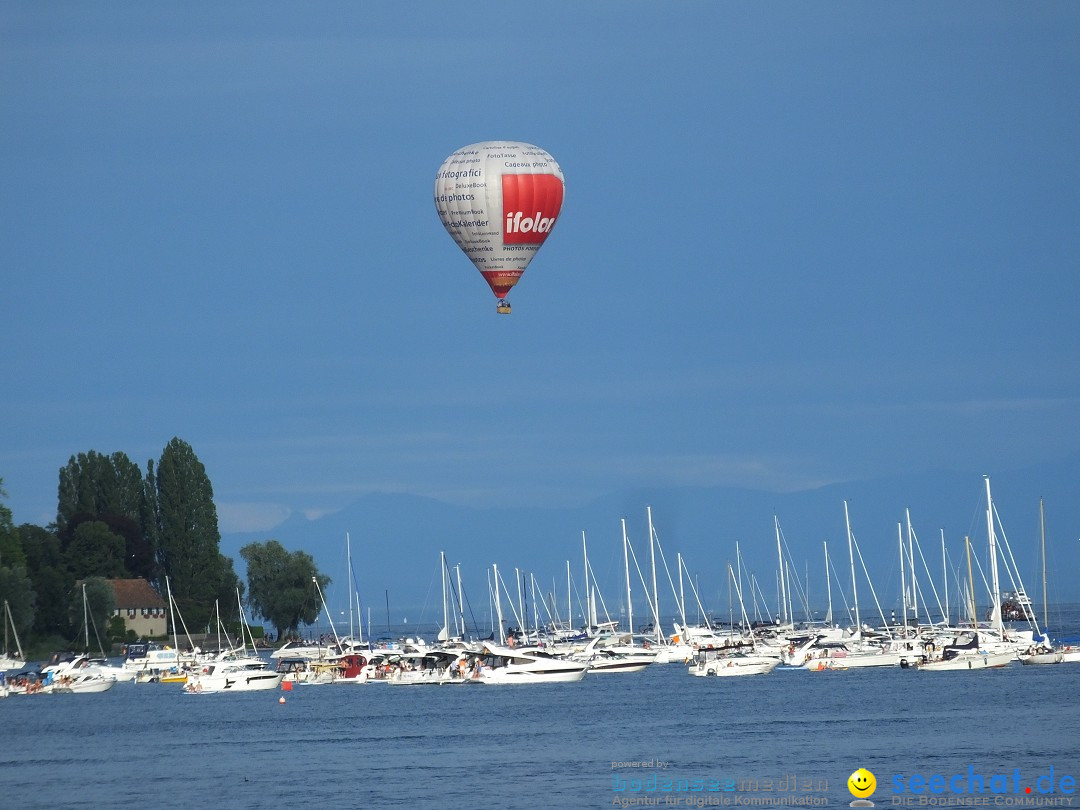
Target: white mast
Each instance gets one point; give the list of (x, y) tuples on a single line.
[(348, 567), (521, 606), (780, 564), (903, 579), (461, 600), (1042, 535), (652, 559), (945, 575), (911, 560), (994, 593), (569, 603), (682, 593), (851, 557), (172, 615), (828, 586), (498, 603), (445, 634), (626, 568)]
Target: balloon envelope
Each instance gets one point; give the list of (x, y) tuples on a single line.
[(499, 200)]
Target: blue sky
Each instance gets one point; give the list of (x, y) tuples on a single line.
[(800, 244)]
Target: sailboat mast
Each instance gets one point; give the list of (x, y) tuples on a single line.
[(828, 586), (445, 607), (348, 563), (652, 559), (851, 558), (971, 583), (995, 595), (461, 600), (569, 603), (626, 568), (1042, 534), (780, 565), (945, 575), (172, 615), (498, 603), (903, 579), (682, 593), (86, 617), (911, 560)]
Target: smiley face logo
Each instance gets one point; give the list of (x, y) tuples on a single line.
[(862, 784)]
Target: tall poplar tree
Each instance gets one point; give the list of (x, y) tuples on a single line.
[(188, 536)]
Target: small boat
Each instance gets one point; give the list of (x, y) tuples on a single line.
[(1042, 657), (10, 659), (713, 663), (437, 667), (67, 673), (614, 653), (968, 654), (233, 676), (503, 665)]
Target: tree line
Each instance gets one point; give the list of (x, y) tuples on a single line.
[(113, 521)]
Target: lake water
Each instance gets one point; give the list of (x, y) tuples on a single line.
[(784, 739)]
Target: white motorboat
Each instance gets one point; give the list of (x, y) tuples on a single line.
[(710, 663), (607, 654), (436, 667), (69, 673), (841, 657), (608, 661), (233, 676), (501, 665), (143, 657)]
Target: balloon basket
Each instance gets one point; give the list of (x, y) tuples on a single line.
[(503, 307)]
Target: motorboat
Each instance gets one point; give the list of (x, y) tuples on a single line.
[(608, 654), (437, 667), (71, 673), (503, 665), (240, 675), (713, 662)]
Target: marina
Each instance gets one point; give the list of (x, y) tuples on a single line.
[(399, 747)]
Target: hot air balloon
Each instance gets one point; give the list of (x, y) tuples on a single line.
[(499, 200)]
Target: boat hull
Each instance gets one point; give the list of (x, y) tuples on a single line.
[(968, 662), (727, 669), (233, 682)]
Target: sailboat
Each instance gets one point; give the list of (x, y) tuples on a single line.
[(1043, 653), (7, 660), (969, 650)]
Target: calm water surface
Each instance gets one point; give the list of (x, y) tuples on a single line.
[(535, 746)]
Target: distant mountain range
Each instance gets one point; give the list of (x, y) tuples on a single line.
[(395, 541)]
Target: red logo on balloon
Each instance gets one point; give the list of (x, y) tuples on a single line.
[(531, 204)]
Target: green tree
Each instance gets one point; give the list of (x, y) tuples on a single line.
[(187, 535), (89, 610), (95, 552), (11, 553), (96, 484), (111, 490), (17, 589), (51, 580), (280, 585), (16, 586)]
